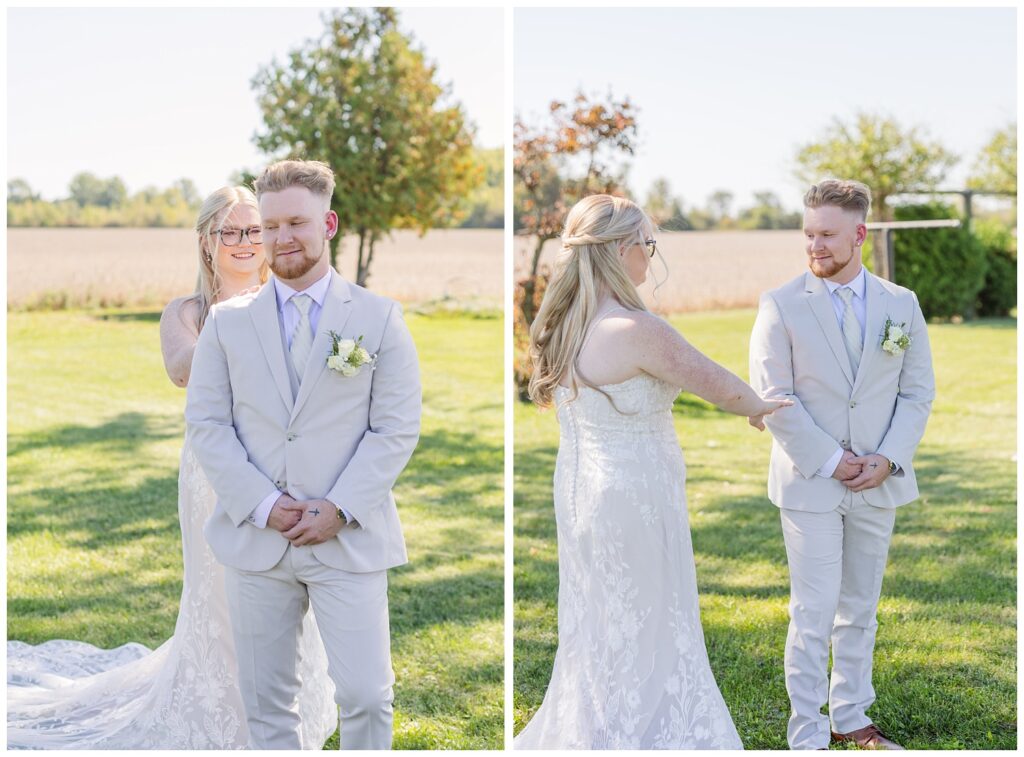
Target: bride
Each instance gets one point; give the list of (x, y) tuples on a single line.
[(184, 695), (631, 670)]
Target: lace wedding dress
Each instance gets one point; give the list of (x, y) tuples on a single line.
[(631, 671), (184, 695)]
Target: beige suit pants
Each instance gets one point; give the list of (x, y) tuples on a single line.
[(351, 612), (836, 563)]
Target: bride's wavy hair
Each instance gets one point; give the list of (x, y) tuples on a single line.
[(212, 213), (596, 229)]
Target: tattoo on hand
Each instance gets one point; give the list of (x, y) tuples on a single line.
[(873, 465), (314, 512)]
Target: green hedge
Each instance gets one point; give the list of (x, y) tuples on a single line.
[(999, 295), (945, 267)]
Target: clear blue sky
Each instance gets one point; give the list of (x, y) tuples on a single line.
[(727, 95), (152, 95)]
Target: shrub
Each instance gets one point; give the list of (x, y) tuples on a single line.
[(999, 295), (945, 267)]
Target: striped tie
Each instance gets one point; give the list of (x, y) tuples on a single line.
[(302, 337), (851, 329)]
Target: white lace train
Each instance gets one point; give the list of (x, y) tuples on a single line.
[(631, 670), (183, 695)]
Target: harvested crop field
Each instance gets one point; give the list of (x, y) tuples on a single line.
[(55, 268), (708, 270)]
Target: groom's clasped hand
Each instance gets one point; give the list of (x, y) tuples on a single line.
[(860, 472), (305, 522)]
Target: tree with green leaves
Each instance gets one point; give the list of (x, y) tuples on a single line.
[(720, 208), (19, 190), (484, 208), (664, 208), (767, 213), (995, 168), (88, 189), (879, 152), (363, 99)]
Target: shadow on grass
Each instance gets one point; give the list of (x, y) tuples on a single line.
[(146, 316), (464, 467), (986, 323), (122, 435)]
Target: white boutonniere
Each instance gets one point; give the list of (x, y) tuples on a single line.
[(895, 340), (348, 356)]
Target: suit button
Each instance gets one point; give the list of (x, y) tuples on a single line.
[(853, 404), (279, 484), (291, 437)]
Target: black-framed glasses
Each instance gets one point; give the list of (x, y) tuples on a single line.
[(652, 247), (233, 237)]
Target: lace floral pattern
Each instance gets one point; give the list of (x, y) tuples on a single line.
[(183, 695), (631, 671)]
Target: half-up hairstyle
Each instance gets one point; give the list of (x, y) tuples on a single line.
[(595, 230)]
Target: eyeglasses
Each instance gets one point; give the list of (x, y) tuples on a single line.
[(232, 237), (652, 247)]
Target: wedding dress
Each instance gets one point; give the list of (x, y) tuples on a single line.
[(631, 670), (183, 695)]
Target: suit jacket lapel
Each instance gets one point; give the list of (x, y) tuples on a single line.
[(335, 313), (263, 312), (874, 321), (821, 304)]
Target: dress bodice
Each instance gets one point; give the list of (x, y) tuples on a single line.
[(642, 406)]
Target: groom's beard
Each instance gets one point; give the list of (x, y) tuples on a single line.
[(831, 265), (295, 265)]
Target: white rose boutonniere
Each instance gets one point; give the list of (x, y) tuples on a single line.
[(895, 340), (348, 356)]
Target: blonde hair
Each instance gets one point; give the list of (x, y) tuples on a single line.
[(314, 175), (842, 193), (214, 210), (595, 229)]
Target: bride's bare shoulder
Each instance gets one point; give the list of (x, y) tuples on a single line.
[(181, 313)]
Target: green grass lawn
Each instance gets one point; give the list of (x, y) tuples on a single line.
[(945, 659), (94, 549)]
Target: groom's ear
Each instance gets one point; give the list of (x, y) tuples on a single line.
[(331, 222), (862, 233)]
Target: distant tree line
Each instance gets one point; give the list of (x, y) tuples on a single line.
[(669, 213), (95, 202)]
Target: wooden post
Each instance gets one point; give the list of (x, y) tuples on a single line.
[(884, 256)]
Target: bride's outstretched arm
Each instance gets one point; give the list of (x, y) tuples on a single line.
[(663, 352), (178, 334)]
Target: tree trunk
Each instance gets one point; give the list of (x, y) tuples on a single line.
[(333, 245), (360, 263), (535, 263), (365, 276), (879, 250)]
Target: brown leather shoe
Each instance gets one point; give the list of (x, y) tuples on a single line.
[(868, 737)]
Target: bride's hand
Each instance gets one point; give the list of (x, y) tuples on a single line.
[(767, 408), (248, 290)]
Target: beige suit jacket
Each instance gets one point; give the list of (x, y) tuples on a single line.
[(341, 438), (797, 352)]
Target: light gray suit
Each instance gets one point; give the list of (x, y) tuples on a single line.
[(256, 427), (836, 540)]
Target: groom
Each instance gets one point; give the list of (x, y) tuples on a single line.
[(842, 456), (302, 455)]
